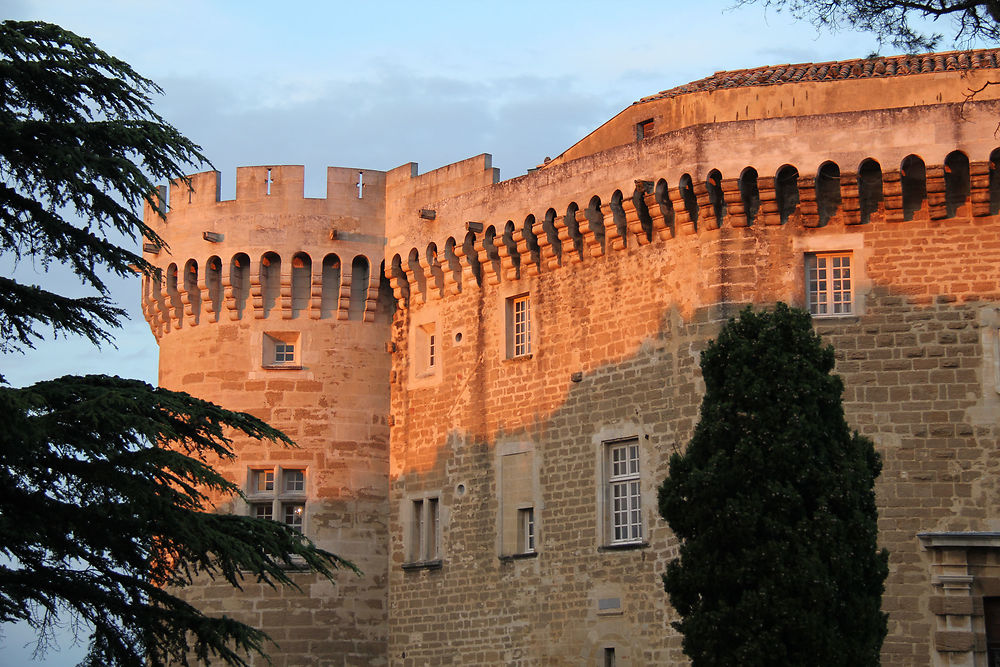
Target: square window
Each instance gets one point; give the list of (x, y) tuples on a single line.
[(623, 494), (518, 326), (262, 510), (829, 284), (261, 481), (295, 480), (281, 349)]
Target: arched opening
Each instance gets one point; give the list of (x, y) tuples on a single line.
[(397, 272), (511, 245), (270, 281), (173, 295), (453, 267), (301, 282), (618, 215), (529, 238), (715, 197), (385, 307), (359, 288), (645, 221), (434, 264), (869, 189), (786, 191), (213, 280), (956, 182), (551, 235), (913, 180), (573, 227), (415, 270), (595, 219), (239, 279), (472, 257), (330, 291), (662, 195), (750, 194), (192, 289), (828, 196), (686, 188)]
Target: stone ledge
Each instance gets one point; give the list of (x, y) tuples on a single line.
[(627, 546)]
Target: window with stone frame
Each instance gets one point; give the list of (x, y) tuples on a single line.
[(281, 349), (425, 531), (519, 327), (829, 284), (623, 493), (278, 493)]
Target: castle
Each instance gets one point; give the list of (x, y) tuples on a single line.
[(486, 378)]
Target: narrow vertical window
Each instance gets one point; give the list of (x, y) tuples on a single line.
[(293, 513), (419, 532), (829, 284), (519, 326), (433, 551), (624, 495), (526, 530), (430, 351)]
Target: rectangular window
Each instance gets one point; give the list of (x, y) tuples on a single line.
[(624, 492), (284, 353), (526, 530), (281, 349), (295, 480), (425, 531), (430, 351), (644, 130), (829, 285), (285, 503), (292, 514), (518, 326), (261, 481)]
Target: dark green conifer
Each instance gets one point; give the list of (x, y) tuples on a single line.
[(773, 502), (104, 481)]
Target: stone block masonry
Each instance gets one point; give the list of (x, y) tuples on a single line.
[(487, 378)]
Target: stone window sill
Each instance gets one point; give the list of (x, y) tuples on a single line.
[(507, 558), (423, 565), (282, 367), (623, 546)]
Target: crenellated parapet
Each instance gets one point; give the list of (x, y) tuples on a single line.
[(655, 212), (271, 253)]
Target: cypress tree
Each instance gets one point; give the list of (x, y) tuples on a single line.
[(773, 502)]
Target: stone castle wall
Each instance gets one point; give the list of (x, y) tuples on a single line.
[(625, 255), (628, 277), (274, 266)]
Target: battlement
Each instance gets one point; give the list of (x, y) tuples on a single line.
[(278, 186), (270, 252), (654, 213)]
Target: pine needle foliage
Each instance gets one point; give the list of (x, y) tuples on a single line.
[(773, 503), (105, 483), (898, 22)]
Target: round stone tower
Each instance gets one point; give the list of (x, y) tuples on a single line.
[(273, 304)]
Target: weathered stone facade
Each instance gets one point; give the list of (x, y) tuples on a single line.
[(490, 457)]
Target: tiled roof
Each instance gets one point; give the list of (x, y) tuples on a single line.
[(862, 68)]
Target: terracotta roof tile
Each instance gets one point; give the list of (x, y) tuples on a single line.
[(862, 68)]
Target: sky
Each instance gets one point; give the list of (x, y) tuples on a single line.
[(376, 85)]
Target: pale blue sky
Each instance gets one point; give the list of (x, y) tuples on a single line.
[(376, 85)]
